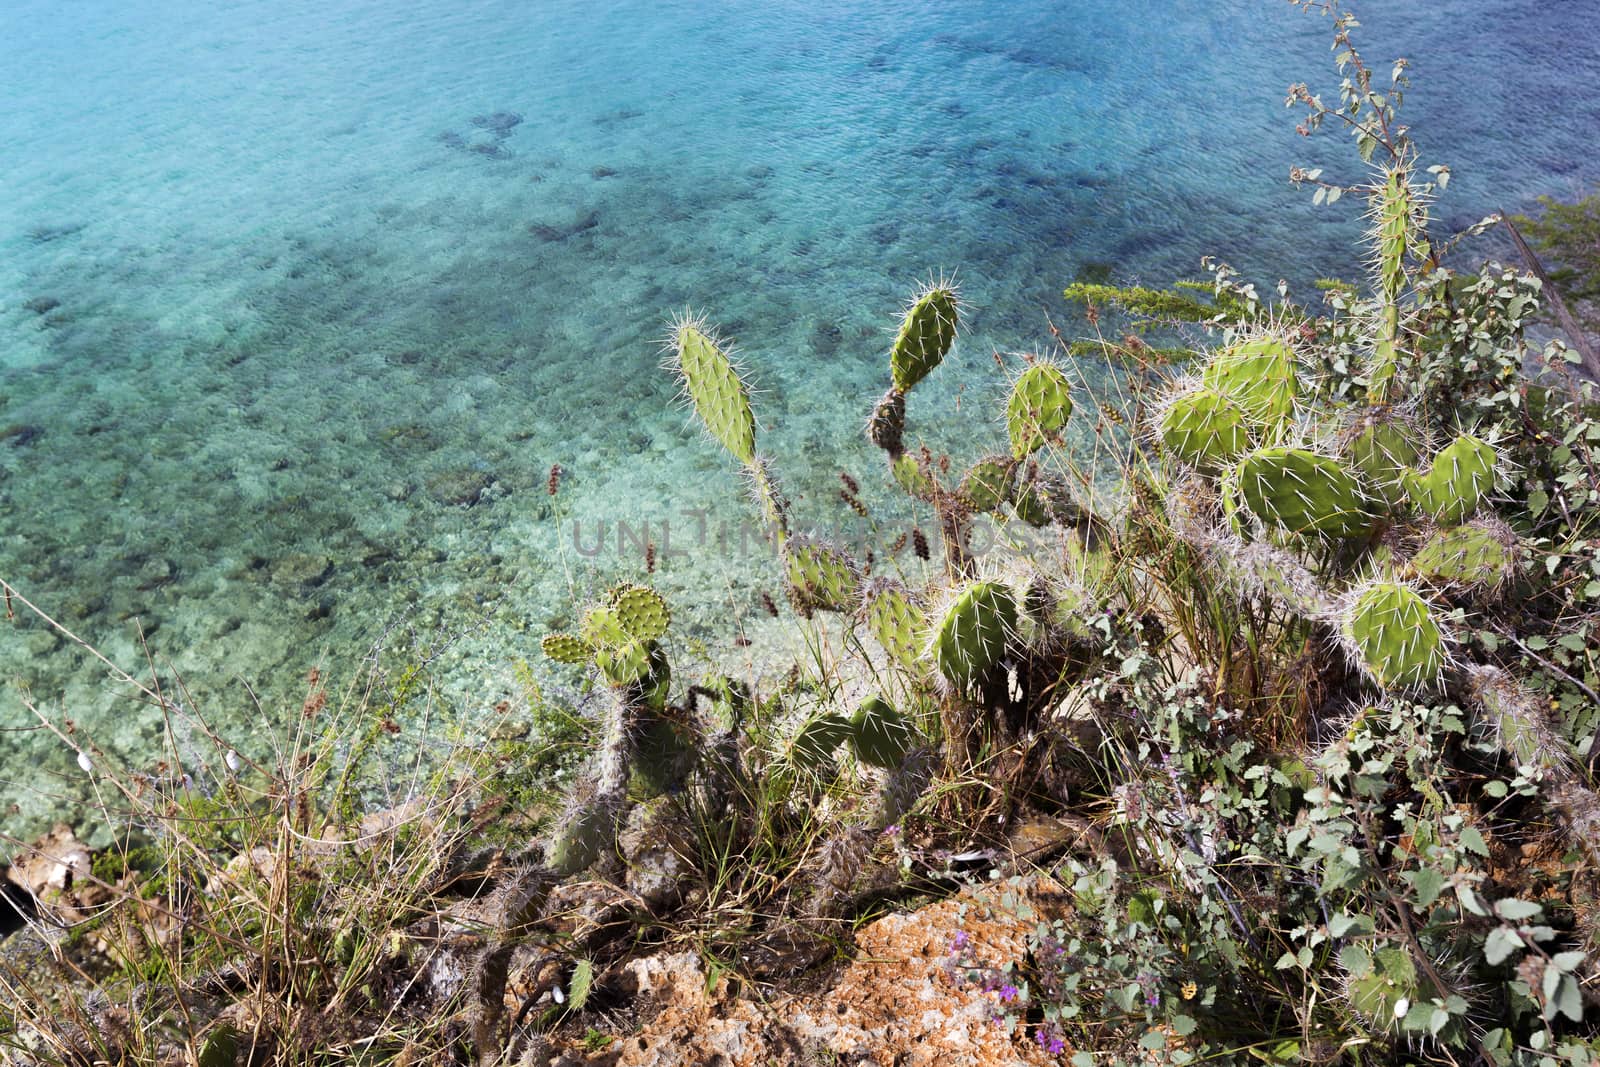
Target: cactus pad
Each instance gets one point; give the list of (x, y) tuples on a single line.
[(987, 483), (910, 476), (895, 620), (886, 426), (1259, 375), (926, 334), (564, 648), (1394, 635), (973, 633), (1040, 404), (1298, 491), (1382, 450), (1461, 475), (1387, 988), (713, 385), (1203, 427), (583, 835), (880, 735), (821, 577), (642, 612), (815, 742), (1477, 554)]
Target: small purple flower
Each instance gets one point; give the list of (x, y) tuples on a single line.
[(1009, 992), (891, 830), (1050, 1041), (959, 942)]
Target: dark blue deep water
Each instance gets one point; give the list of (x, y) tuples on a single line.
[(300, 299)]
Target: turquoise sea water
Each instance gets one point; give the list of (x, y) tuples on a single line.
[(300, 301)]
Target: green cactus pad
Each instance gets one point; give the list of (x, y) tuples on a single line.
[(1381, 451), (821, 577), (1298, 491), (1477, 554), (880, 735), (886, 426), (637, 665), (583, 836), (642, 612), (1386, 987), (1030, 503), (987, 483), (1203, 427), (1040, 404), (1461, 475), (974, 631), (564, 648), (925, 336), (818, 740), (664, 753), (1259, 375), (719, 397), (1394, 635), (910, 476), (602, 628), (895, 620)]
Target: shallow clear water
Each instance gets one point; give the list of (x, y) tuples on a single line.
[(299, 301)]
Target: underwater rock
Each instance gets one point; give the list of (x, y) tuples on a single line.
[(500, 123), (493, 151), (602, 172), (20, 435), (302, 570), (826, 336), (458, 486), (452, 139), (155, 571), (41, 304), (41, 235), (546, 232)]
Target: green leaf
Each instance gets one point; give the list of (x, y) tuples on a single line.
[(1473, 841), (1500, 945), (1154, 1040), (1514, 910), (1427, 883)]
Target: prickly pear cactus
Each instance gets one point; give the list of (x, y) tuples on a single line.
[(619, 636), (821, 577), (1040, 405), (987, 483), (586, 832), (912, 477), (1479, 555), (880, 735), (926, 334), (564, 648), (642, 612), (1260, 376), (1461, 475), (895, 620), (1386, 987), (713, 386), (1393, 634), (1391, 212), (973, 632), (1382, 449), (1202, 426), (1299, 492), (816, 741)]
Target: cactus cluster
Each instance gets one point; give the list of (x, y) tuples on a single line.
[(1295, 479)]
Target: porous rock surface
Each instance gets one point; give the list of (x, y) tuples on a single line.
[(899, 1002)]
